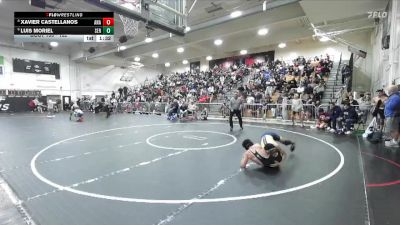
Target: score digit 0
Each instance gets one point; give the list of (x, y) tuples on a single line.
[(108, 21)]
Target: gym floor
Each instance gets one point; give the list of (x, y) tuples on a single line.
[(143, 169)]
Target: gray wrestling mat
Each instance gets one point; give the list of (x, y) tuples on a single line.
[(143, 169)]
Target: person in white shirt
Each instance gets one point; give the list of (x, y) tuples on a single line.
[(250, 99), (50, 108), (365, 105), (192, 108), (297, 109)]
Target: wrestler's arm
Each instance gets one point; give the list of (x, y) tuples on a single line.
[(244, 161)]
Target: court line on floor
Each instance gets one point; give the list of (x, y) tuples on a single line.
[(234, 140), (110, 174), (16, 202), (170, 217), (181, 201), (198, 138), (120, 148), (94, 138), (368, 219), (14, 117), (385, 184)]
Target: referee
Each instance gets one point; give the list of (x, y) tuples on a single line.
[(235, 106)]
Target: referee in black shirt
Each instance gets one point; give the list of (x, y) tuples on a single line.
[(235, 106)]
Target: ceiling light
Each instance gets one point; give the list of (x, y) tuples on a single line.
[(209, 58), (185, 62), (218, 42), (122, 48), (262, 31), (243, 52), (155, 55), (187, 29), (235, 14), (282, 45), (53, 44), (136, 65), (324, 39), (148, 39), (180, 49), (167, 64), (137, 59)]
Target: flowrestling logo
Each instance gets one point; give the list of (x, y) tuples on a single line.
[(377, 14)]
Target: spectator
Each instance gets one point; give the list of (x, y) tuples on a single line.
[(297, 109), (350, 116), (319, 90), (204, 114), (379, 108), (38, 105), (125, 88), (346, 72), (50, 108), (173, 108), (352, 101), (323, 119), (334, 113), (250, 99), (364, 101), (120, 90), (392, 114)]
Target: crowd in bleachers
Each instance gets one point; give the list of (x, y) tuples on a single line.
[(270, 82), (195, 86), (279, 82), (306, 78), (266, 83)]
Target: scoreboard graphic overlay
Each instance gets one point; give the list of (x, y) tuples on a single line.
[(64, 26)]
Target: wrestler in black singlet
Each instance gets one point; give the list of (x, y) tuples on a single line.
[(275, 155)]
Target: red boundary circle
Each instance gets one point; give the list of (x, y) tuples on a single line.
[(385, 184)]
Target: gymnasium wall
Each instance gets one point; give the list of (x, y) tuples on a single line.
[(14, 80), (362, 67), (94, 79), (386, 62), (310, 48), (76, 79)]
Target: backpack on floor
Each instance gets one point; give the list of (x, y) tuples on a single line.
[(375, 137)]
